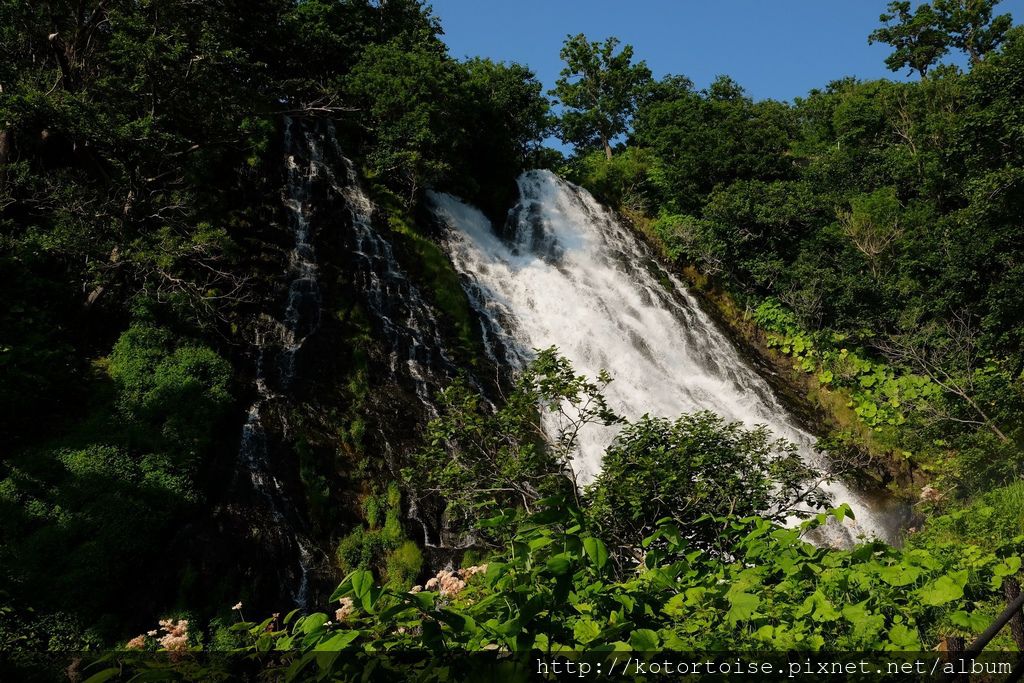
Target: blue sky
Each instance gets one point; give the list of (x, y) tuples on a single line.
[(774, 48)]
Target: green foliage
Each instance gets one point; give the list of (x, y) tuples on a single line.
[(403, 565), (480, 460), (873, 223), (552, 591), (422, 106), (702, 139), (922, 36), (874, 217), (917, 37), (135, 185), (599, 89), (78, 519), (406, 90), (381, 544), (623, 180), (84, 508), (26, 631), (995, 515), (692, 470), (179, 391), (874, 227), (879, 396), (971, 26), (507, 99)]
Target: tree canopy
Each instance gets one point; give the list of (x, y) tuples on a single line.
[(922, 35), (599, 89)]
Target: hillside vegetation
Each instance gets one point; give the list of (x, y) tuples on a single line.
[(871, 232)]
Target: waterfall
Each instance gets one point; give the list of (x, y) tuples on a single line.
[(325, 204), (402, 316), (301, 318), (569, 274)]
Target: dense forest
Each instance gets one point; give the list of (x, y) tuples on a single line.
[(866, 240)]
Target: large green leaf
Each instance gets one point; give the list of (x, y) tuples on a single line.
[(339, 641), (586, 630), (362, 587), (644, 640), (742, 606), (312, 622), (903, 637), (899, 574), (975, 622), (460, 623), (866, 626), (105, 675), (944, 589), (559, 564), (596, 551)]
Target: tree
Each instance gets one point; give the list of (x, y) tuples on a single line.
[(406, 91), (599, 89), (691, 470), (477, 459), (922, 36), (508, 100), (970, 26), (873, 223), (950, 359), (917, 37), (711, 137)]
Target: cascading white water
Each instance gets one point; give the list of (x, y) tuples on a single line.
[(406, 321), (570, 275), (301, 319), (320, 180)]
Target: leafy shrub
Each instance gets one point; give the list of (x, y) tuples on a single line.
[(554, 590), (403, 565), (381, 547), (180, 390), (83, 529), (994, 516), (622, 181), (691, 470), (479, 461)]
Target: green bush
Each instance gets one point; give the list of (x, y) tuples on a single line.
[(555, 590), (622, 181), (181, 391), (376, 546), (986, 522), (690, 470), (403, 565)]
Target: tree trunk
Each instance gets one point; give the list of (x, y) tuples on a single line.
[(607, 150), (6, 145), (1012, 591), (952, 647)]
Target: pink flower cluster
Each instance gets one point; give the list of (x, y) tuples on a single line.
[(448, 582), (136, 643), (930, 494), (175, 638), (346, 609)]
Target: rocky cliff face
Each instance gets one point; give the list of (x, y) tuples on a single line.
[(347, 350)]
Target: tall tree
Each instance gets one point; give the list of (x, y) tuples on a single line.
[(406, 92), (970, 26), (922, 36), (599, 90), (917, 36)]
